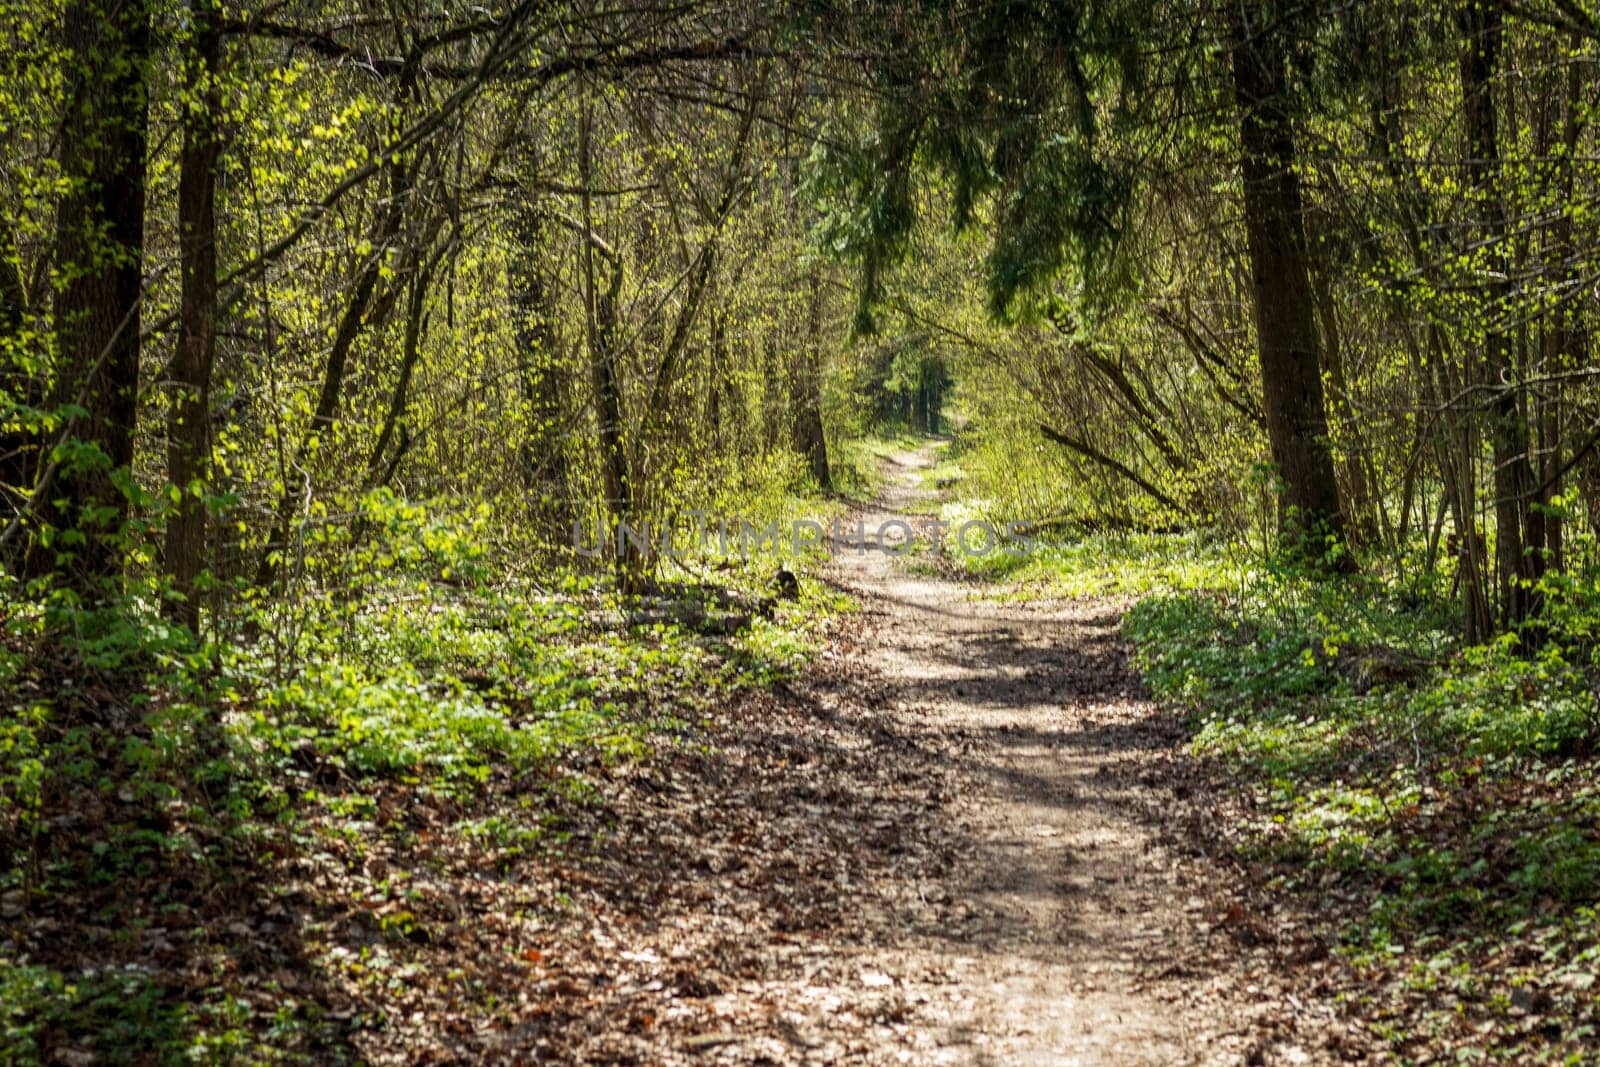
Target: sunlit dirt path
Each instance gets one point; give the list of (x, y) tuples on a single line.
[(1068, 936)]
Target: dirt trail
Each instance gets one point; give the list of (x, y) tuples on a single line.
[(1074, 938), (943, 843)]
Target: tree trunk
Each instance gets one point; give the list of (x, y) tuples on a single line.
[(809, 439), (381, 465), (544, 459), (1513, 472), (1568, 338), (373, 296), (1363, 511), (188, 428), (20, 384), (608, 410), (1286, 329), (100, 255), (601, 320)]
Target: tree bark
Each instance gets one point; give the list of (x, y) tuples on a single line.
[(601, 321), (542, 376), (1285, 311), (380, 472), (188, 427), (809, 440), (1481, 29), (100, 255), (21, 385)]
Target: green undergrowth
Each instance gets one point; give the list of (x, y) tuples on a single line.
[(1043, 565), (1434, 805), (153, 782), (1043, 559)]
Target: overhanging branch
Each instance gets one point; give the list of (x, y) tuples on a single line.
[(1089, 452)]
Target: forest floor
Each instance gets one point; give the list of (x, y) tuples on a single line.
[(509, 824), (960, 835)]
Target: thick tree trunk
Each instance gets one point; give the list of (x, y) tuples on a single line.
[(1285, 310), (100, 250), (188, 427)]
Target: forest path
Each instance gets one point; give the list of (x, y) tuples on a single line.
[(960, 836), (1068, 934)]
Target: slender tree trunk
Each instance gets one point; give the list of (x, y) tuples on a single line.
[(1481, 28), (371, 303), (544, 391), (1364, 515), (379, 472), (601, 321), (20, 384), (1285, 310), (1569, 339), (608, 410), (373, 297), (188, 427), (100, 252), (809, 439), (364, 306)]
